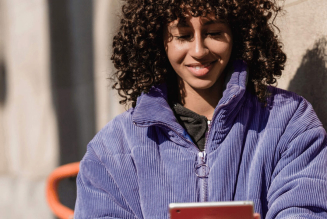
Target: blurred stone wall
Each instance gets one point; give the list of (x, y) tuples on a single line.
[(29, 144), (54, 95)]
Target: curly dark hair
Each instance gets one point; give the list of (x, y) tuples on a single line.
[(138, 49)]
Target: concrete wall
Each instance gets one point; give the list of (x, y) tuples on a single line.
[(54, 61), (303, 30)]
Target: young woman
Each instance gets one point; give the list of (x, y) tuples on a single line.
[(205, 124)]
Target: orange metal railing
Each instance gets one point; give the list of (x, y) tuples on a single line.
[(62, 172)]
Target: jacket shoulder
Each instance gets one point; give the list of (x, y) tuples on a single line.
[(292, 107), (280, 97), (112, 138)]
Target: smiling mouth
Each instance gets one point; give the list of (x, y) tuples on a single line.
[(199, 70), (198, 66)]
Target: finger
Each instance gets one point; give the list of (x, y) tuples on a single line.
[(256, 216)]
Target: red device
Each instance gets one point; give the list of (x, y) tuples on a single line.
[(212, 210)]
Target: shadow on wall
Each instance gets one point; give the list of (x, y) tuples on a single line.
[(71, 28), (310, 80), (3, 86)]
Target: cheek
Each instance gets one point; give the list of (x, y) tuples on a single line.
[(223, 50), (176, 53), (222, 47)]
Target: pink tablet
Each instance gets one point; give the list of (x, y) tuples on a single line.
[(212, 210)]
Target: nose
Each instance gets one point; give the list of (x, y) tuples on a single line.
[(198, 48)]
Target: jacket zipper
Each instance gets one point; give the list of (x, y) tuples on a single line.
[(203, 170), (202, 162)]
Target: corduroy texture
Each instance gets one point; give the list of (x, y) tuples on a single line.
[(274, 156)]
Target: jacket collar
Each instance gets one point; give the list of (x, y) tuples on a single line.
[(230, 104), (153, 109)]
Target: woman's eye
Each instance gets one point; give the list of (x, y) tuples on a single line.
[(183, 37), (188, 37), (214, 34)]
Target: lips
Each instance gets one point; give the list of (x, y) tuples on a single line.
[(198, 69)]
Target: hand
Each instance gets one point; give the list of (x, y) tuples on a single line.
[(256, 216)]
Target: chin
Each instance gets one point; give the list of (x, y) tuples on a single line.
[(201, 85)]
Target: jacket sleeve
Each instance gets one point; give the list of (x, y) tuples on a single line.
[(98, 195), (298, 187)]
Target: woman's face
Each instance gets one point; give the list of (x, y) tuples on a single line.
[(198, 50)]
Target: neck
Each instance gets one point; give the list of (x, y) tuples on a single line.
[(201, 101)]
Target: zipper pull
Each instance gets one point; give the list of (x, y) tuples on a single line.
[(201, 168), (203, 156)]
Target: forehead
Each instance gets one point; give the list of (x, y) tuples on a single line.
[(187, 22)]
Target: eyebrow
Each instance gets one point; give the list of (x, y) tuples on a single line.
[(213, 22), (207, 23)]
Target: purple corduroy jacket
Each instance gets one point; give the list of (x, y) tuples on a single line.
[(142, 160)]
